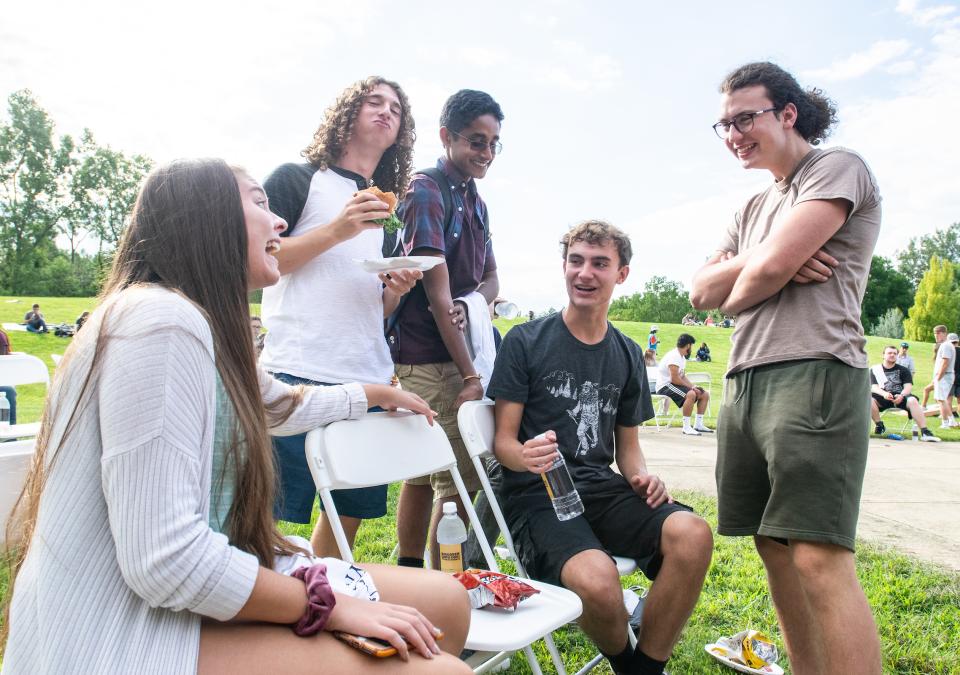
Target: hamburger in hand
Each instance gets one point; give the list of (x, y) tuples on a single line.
[(391, 224)]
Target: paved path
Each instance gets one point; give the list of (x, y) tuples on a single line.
[(911, 493)]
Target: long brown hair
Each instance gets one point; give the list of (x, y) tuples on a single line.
[(187, 233), (393, 172)]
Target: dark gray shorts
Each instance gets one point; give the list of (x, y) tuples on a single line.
[(791, 451)]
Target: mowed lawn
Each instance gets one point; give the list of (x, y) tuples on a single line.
[(917, 605)]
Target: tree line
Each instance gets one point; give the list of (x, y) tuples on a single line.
[(906, 296), (64, 203)]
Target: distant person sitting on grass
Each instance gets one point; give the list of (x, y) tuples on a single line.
[(34, 320), (703, 354), (890, 387), (157, 425), (672, 382)]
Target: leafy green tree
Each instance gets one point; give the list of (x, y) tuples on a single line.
[(914, 260), (886, 288), (662, 300), (890, 324), (51, 187), (937, 301)]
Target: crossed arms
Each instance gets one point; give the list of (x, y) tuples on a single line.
[(793, 251)]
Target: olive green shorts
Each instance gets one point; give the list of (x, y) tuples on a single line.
[(439, 384), (791, 451)]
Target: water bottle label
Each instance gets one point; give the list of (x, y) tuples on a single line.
[(451, 558)]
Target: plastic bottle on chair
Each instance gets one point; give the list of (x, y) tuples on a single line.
[(563, 495), (4, 410), (451, 533)]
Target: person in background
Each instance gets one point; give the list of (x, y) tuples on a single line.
[(703, 354), (256, 332), (943, 374), (904, 359), (891, 386), (80, 321), (673, 383), (652, 340), (11, 392), (35, 321), (650, 358)]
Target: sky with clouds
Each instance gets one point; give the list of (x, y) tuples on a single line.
[(608, 104)]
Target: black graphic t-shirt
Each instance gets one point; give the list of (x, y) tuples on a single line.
[(580, 391), (896, 378)]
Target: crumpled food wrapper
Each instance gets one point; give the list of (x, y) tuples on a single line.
[(750, 648), (487, 588)]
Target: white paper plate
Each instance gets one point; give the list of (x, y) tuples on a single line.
[(410, 262), (772, 669)]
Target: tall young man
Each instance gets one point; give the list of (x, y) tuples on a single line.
[(943, 375), (792, 441), (580, 380), (326, 314), (672, 382), (429, 349)]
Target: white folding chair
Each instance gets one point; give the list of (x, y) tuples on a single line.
[(898, 414), (386, 447), (476, 422), (16, 370), (15, 459), (663, 412), (703, 380)]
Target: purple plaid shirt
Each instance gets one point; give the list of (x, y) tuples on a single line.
[(417, 337)]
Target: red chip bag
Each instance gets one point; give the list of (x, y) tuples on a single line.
[(487, 588)]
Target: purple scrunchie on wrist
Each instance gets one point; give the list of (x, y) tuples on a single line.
[(320, 600)]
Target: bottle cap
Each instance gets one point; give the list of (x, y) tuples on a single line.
[(449, 508)]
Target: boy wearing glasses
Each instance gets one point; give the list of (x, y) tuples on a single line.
[(792, 441), (427, 339)]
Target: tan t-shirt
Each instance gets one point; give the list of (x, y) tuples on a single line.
[(816, 320)]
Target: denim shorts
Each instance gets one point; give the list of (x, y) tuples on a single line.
[(296, 491)]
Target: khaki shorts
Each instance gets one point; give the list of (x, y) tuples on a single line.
[(439, 384), (791, 451)]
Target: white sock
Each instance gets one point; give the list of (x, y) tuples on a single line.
[(686, 422), (699, 420)]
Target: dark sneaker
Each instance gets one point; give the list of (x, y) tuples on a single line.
[(928, 436), (880, 429)]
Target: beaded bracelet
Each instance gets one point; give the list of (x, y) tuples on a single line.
[(320, 600)]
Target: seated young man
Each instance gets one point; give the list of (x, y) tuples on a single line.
[(672, 382), (891, 386), (576, 377)]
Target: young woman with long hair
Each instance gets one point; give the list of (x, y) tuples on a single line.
[(147, 543)]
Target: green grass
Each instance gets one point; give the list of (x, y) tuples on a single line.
[(917, 606)]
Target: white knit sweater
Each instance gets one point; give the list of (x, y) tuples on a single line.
[(123, 563)]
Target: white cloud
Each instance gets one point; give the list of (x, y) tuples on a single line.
[(927, 16), (860, 63)]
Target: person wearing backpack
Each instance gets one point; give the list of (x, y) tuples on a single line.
[(326, 313), (444, 216)]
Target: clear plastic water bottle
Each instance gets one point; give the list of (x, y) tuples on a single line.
[(451, 533), (4, 410), (563, 495), (916, 432)]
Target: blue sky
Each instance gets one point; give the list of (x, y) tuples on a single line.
[(608, 104)]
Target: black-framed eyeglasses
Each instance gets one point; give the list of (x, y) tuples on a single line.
[(496, 147), (742, 122)]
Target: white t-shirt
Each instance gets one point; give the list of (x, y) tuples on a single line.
[(325, 320), (672, 358), (947, 352)]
